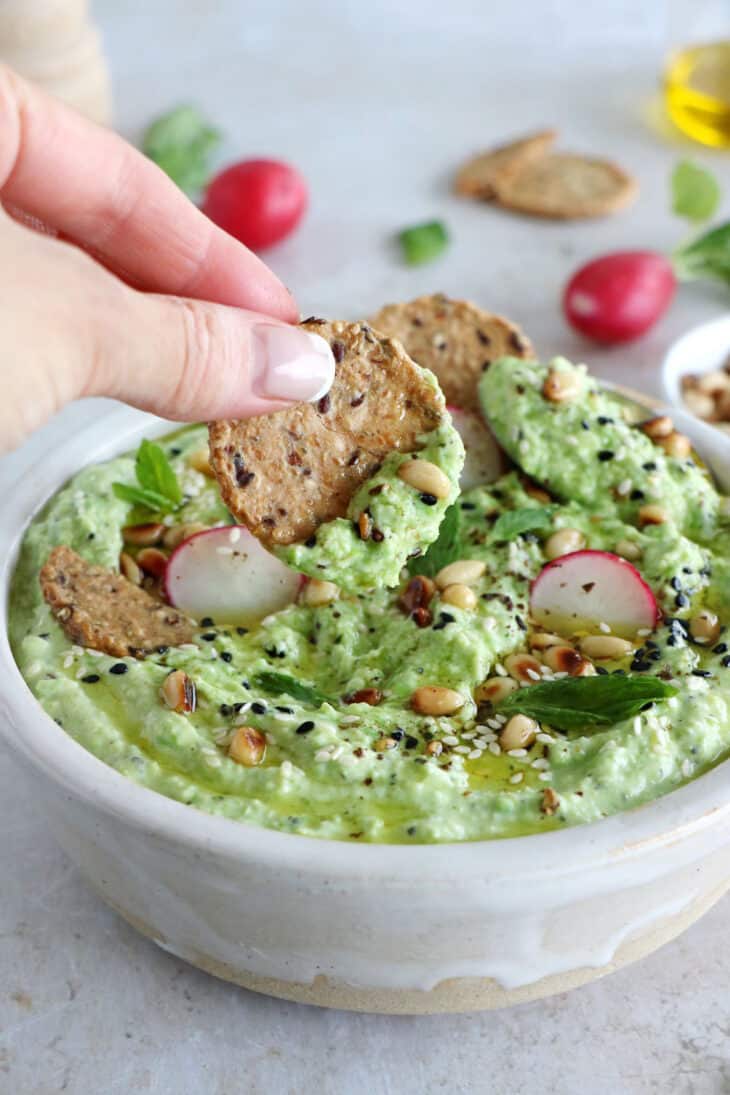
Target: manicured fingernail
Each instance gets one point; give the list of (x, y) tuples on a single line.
[(290, 363)]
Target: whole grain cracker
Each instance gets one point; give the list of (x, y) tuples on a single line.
[(100, 609), (482, 176), (284, 474), (454, 339), (567, 187)]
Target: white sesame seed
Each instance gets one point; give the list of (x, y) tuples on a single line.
[(188, 646), (624, 486), (234, 535), (516, 752), (545, 670), (603, 626), (541, 763), (286, 768), (77, 651), (68, 661), (96, 653), (461, 749), (474, 754), (559, 676), (687, 767), (323, 754), (516, 778), (533, 674), (494, 748), (500, 670), (501, 719), (489, 623), (545, 738), (350, 720), (469, 734), (637, 725), (644, 631), (495, 725), (80, 673), (481, 743), (337, 752), (450, 739), (545, 775)]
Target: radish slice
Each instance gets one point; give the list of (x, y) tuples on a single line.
[(485, 461), (225, 573), (581, 591)]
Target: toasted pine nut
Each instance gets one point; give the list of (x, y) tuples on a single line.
[(177, 533), (417, 594), (431, 699), (562, 387), (541, 640), (464, 572), (129, 569), (705, 626), (627, 549), (599, 647), (495, 689), (563, 542), (523, 667), (699, 403), (518, 733), (384, 743), (424, 476), (677, 444), (566, 659), (652, 515), (316, 592), (248, 746), (152, 561), (143, 535), (658, 427), (179, 692), (715, 381), (435, 748), (540, 495), (199, 460), (460, 596), (550, 802)]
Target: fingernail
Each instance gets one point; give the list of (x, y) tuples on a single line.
[(289, 363)]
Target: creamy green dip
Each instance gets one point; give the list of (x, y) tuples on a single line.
[(327, 770)]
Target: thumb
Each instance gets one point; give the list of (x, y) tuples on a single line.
[(190, 360)]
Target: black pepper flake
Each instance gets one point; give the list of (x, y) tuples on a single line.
[(91, 678), (207, 621), (226, 656), (118, 669), (305, 727), (258, 708), (428, 499), (605, 454)]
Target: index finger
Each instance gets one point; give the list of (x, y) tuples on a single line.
[(97, 190)]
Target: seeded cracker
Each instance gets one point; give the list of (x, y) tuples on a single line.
[(482, 176), (102, 610), (566, 187), (454, 339), (285, 474)]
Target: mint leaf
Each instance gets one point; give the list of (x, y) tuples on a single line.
[(577, 703), (514, 522), (706, 258), (443, 550), (155, 473), (138, 496), (280, 684), (423, 242), (180, 142), (695, 192)]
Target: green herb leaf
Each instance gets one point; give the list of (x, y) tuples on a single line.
[(513, 523), (280, 684), (180, 142), (138, 496), (695, 192), (423, 242), (443, 550), (155, 473), (577, 703), (706, 258)]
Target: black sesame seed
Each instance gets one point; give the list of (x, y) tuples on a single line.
[(605, 454), (649, 466), (245, 684), (285, 710), (397, 734), (305, 727), (675, 584), (601, 671), (428, 499), (636, 495), (640, 666), (91, 678), (225, 710), (686, 570), (721, 648), (585, 425), (468, 505), (681, 600), (603, 421), (444, 619), (654, 655), (207, 621), (311, 542), (701, 673), (226, 656), (725, 663), (258, 708), (411, 742), (162, 649), (209, 637), (242, 631), (118, 668), (618, 673)]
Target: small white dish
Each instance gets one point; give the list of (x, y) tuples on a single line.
[(700, 350)]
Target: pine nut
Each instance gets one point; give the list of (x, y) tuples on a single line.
[(713, 382), (143, 535), (435, 748), (523, 667), (177, 533), (179, 692), (562, 387), (463, 572), (566, 659), (495, 689), (533, 491), (384, 743), (627, 549), (199, 461), (460, 596), (248, 746), (699, 403), (541, 640), (152, 561), (424, 476), (705, 626), (550, 802), (658, 427), (433, 700), (652, 515), (563, 542), (518, 733), (129, 569), (417, 594), (611, 647), (677, 444), (316, 592)]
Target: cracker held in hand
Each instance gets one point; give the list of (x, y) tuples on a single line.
[(100, 609), (454, 339), (284, 474), (568, 188), (482, 176)]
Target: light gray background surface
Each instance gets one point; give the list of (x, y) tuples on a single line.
[(376, 107)]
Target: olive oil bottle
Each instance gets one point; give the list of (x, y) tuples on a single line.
[(697, 92)]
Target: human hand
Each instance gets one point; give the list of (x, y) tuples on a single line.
[(127, 290)]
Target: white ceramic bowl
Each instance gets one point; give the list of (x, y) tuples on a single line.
[(700, 350), (372, 927)]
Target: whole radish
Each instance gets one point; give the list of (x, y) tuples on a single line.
[(260, 202), (618, 297)]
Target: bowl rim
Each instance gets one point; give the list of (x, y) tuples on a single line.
[(678, 358), (30, 732)]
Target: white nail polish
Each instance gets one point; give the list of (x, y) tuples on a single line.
[(291, 364)]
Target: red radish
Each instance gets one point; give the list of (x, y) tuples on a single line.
[(616, 298), (485, 460), (225, 573), (258, 201), (581, 591)]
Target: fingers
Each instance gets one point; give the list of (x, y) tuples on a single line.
[(191, 361), (93, 187)]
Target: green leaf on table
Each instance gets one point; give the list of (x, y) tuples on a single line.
[(281, 684), (423, 242), (181, 143), (695, 192), (443, 550), (514, 522), (138, 496), (706, 258), (155, 472), (578, 703)]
